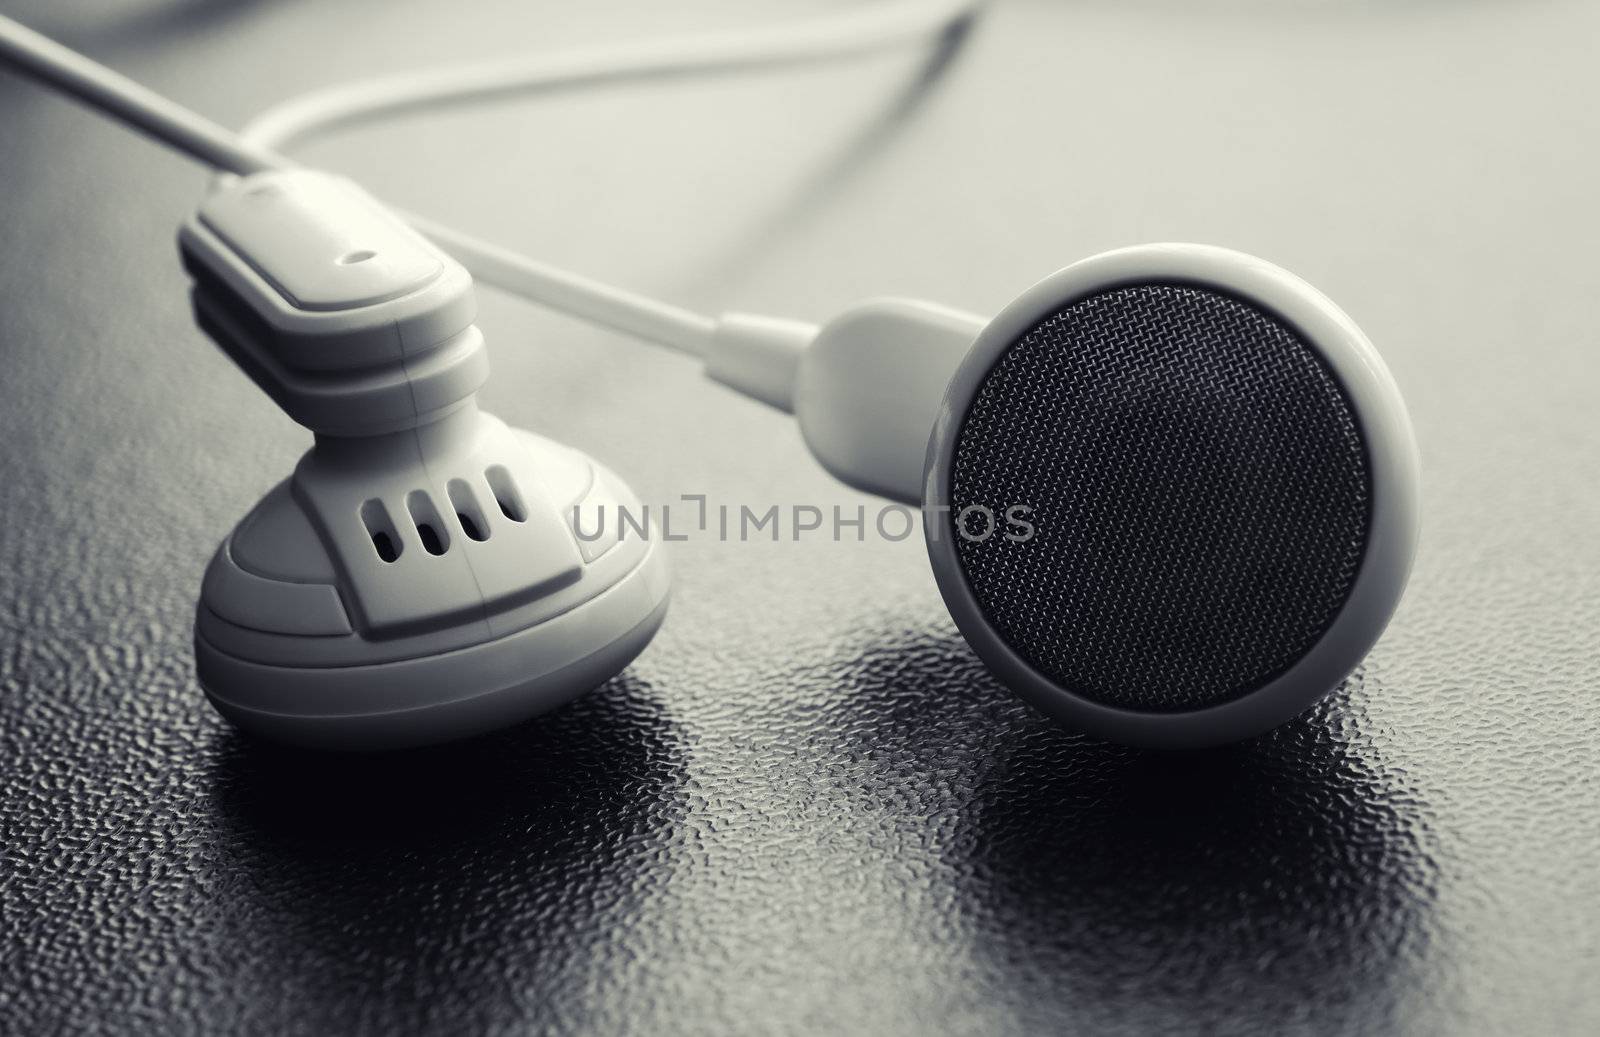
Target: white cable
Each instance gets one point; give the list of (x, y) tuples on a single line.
[(853, 34), (678, 329), (858, 32), (128, 102)]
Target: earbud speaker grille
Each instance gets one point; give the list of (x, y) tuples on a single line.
[(1199, 492)]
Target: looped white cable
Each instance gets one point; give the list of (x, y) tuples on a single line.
[(855, 33), (834, 37)]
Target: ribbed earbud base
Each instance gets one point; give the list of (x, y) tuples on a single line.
[(371, 601), (434, 699)]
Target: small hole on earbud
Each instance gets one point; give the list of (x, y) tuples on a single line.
[(425, 517), (376, 518), (467, 512), (360, 255), (505, 493), (385, 546)]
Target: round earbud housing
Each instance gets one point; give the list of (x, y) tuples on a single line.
[(1171, 495), (370, 601)]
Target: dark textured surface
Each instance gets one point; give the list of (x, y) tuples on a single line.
[(1197, 490), (806, 808)]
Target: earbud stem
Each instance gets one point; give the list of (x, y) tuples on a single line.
[(759, 356), (866, 387)]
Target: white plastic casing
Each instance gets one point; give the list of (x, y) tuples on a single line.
[(304, 633), (426, 572), (386, 340), (865, 387), (870, 387), (1391, 458), (875, 380)]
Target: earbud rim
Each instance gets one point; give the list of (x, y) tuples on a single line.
[(444, 696), (1392, 459)]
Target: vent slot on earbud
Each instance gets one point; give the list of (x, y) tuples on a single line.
[(505, 493), (435, 539), (467, 511), (381, 529)]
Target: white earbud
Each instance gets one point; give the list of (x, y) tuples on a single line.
[(420, 576), (1217, 463)]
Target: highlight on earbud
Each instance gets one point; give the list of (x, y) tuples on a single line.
[(1222, 486)]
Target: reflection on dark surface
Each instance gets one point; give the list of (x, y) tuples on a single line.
[(439, 880), (1267, 881)]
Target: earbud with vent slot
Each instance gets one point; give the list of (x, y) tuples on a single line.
[(421, 575)]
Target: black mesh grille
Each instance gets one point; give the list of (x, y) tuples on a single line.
[(1199, 493)]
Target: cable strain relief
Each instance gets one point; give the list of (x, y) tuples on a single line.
[(758, 356)]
